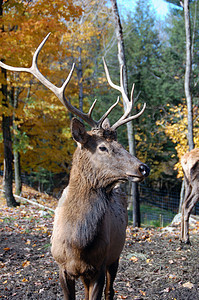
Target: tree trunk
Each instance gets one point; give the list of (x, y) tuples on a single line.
[(187, 85), (17, 167), (8, 157), (80, 78), (17, 164), (130, 129), (188, 70), (8, 173), (7, 140)]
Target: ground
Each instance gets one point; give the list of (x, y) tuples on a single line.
[(153, 265)]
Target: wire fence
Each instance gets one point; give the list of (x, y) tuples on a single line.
[(162, 199), (158, 207)]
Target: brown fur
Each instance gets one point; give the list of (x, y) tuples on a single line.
[(190, 165), (91, 218)]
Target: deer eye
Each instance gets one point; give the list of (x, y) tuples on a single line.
[(103, 148)]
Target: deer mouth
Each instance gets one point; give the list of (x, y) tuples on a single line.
[(143, 172), (134, 178)]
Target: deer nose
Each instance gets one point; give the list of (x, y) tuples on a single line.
[(144, 170)]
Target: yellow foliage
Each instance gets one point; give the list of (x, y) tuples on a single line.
[(42, 123), (176, 129)]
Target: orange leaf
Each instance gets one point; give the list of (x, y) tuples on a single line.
[(25, 263), (142, 292), (6, 249), (134, 259)]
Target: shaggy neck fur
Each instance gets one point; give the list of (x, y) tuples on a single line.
[(86, 199)]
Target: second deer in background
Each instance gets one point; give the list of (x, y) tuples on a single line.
[(190, 165)]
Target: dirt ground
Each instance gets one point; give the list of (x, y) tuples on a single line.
[(153, 265)]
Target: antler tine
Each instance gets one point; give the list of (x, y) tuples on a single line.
[(119, 88), (116, 87), (91, 108), (128, 104), (121, 122), (34, 69), (99, 123), (36, 54)]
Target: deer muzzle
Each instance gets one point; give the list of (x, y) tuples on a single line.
[(143, 172)]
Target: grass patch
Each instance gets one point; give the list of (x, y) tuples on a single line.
[(153, 216)]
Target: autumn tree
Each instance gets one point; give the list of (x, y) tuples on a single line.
[(19, 23), (188, 69), (41, 124)]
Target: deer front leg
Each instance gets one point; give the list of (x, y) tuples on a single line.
[(97, 285), (187, 198), (186, 211), (67, 284), (86, 284), (182, 224), (185, 222), (110, 277)]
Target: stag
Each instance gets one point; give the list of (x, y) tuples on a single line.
[(91, 217), (190, 165)]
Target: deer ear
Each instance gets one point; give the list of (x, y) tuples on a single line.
[(78, 131), (106, 124)]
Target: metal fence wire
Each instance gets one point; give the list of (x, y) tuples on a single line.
[(162, 205), (158, 207)]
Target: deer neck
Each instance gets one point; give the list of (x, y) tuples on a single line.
[(86, 206)]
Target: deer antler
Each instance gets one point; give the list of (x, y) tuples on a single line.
[(59, 92), (129, 103)]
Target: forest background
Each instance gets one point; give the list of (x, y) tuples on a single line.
[(84, 31)]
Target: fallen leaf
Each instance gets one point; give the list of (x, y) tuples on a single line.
[(2, 265), (179, 249), (142, 292), (25, 263), (172, 276), (167, 290), (188, 285), (6, 249), (134, 259)]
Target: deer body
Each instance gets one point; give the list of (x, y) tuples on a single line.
[(190, 165), (91, 217)]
